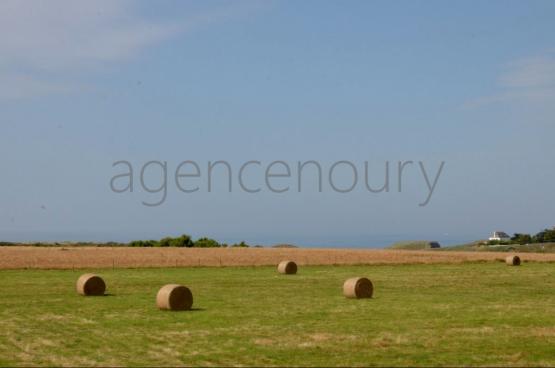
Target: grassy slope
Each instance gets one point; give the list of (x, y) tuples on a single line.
[(528, 248), (411, 245), (469, 314)]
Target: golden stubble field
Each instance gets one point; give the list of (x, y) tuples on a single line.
[(20, 257)]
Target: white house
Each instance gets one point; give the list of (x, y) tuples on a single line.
[(500, 236)]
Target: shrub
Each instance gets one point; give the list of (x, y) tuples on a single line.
[(165, 242), (143, 243), (206, 243), (182, 241), (521, 239), (546, 236), (240, 245), (549, 236)]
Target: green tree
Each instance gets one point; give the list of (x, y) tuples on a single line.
[(206, 243), (521, 239), (165, 242), (549, 235), (182, 241)]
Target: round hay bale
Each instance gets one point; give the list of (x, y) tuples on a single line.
[(174, 297), (287, 268), (358, 287), (513, 260), (90, 284)]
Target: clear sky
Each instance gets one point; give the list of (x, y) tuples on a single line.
[(86, 84)]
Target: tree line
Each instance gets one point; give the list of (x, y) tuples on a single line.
[(185, 241), (545, 236)]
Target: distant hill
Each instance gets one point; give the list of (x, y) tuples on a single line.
[(415, 245), (476, 246), (479, 246)]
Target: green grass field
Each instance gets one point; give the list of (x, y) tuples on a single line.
[(468, 314)]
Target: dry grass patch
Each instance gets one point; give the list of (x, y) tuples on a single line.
[(20, 257)]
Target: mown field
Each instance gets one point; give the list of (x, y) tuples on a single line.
[(441, 314)]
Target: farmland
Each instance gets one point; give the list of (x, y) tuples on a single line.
[(472, 313), (23, 257)]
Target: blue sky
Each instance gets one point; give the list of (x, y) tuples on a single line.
[(85, 84)]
